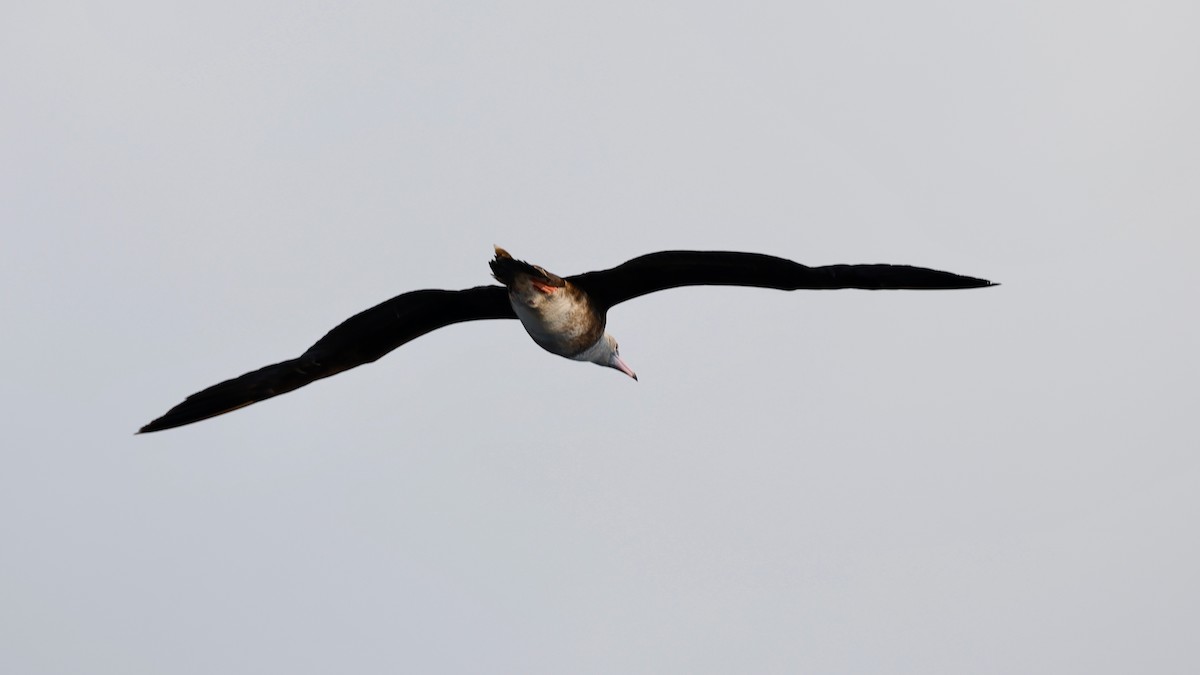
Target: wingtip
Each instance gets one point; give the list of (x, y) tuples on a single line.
[(976, 282)]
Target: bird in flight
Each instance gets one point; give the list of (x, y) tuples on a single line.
[(563, 315)]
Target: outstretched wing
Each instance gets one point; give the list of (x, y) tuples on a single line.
[(362, 338), (672, 269)]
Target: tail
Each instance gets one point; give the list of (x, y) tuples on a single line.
[(506, 269)]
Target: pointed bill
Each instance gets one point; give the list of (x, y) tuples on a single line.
[(619, 364)]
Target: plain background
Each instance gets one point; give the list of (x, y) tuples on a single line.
[(996, 481)]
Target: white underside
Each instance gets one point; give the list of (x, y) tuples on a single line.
[(551, 320)]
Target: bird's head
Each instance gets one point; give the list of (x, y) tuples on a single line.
[(606, 353)]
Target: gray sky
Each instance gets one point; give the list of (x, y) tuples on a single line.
[(992, 481)]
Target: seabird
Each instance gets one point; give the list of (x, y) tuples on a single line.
[(564, 316)]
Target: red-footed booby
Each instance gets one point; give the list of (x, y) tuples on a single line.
[(564, 316)]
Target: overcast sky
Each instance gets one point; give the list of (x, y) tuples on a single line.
[(988, 481)]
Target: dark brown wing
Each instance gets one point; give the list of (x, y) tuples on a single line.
[(362, 338), (672, 269)]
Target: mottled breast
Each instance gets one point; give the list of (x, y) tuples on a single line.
[(560, 319)]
